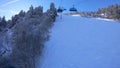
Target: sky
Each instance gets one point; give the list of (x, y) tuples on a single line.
[(9, 8)]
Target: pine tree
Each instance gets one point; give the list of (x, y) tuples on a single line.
[(30, 12), (3, 22), (38, 11), (21, 13), (52, 11)]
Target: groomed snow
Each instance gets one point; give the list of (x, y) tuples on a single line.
[(78, 42)]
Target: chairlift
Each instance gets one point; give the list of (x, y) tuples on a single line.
[(60, 10), (73, 9)]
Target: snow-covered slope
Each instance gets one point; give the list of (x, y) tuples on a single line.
[(78, 42)]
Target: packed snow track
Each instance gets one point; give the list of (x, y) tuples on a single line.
[(78, 42)]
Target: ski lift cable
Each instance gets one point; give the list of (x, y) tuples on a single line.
[(60, 3), (60, 8), (79, 2)]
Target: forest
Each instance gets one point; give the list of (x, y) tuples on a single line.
[(111, 12)]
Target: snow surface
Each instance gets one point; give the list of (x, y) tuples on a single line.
[(78, 42), (105, 19)]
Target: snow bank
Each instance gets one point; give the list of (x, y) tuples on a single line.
[(105, 19)]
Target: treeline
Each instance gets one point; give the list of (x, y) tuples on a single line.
[(22, 38), (111, 12)]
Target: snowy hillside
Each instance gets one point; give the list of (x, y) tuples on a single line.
[(78, 42)]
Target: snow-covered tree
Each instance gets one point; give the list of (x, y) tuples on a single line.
[(30, 30), (21, 13), (52, 11), (30, 12), (38, 11), (3, 23)]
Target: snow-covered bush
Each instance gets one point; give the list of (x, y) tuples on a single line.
[(28, 33)]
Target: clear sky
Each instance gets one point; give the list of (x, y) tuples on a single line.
[(9, 8)]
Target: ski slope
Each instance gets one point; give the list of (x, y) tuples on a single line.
[(78, 42)]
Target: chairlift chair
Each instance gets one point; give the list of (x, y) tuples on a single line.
[(60, 10), (73, 9)]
